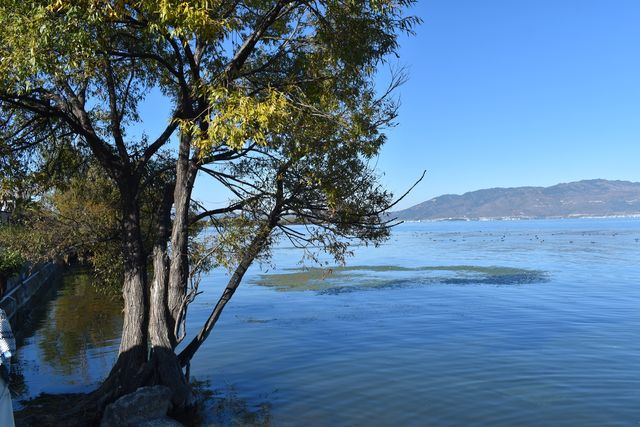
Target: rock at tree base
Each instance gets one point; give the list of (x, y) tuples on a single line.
[(147, 406)]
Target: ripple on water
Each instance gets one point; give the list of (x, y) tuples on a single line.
[(551, 340)]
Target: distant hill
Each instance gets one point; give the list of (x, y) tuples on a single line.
[(596, 197)]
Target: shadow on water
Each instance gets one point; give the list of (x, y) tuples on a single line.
[(224, 407), (356, 278)]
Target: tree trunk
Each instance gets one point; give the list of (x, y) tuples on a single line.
[(159, 333), (128, 372), (164, 362), (179, 268)]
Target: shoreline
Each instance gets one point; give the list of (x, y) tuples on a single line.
[(522, 218)]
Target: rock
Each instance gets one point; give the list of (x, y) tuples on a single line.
[(145, 405)]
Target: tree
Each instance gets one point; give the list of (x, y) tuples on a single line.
[(272, 98), (78, 217)]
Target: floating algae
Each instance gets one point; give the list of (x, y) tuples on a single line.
[(350, 278)]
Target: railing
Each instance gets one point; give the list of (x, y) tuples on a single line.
[(22, 287)]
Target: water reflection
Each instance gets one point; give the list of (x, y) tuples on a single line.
[(75, 338), (82, 319)]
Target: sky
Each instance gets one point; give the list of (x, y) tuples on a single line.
[(505, 93)]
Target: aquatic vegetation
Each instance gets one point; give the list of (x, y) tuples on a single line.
[(350, 278)]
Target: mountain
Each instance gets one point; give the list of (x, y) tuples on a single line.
[(596, 197)]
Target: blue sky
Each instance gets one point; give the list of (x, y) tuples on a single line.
[(505, 93), (510, 93)]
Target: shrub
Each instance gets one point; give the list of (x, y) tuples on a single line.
[(10, 262)]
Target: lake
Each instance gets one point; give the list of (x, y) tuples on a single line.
[(497, 323)]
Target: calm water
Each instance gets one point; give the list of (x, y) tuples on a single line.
[(528, 323)]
